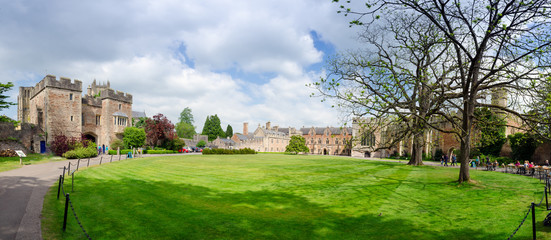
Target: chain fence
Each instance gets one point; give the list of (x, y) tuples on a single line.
[(61, 189)]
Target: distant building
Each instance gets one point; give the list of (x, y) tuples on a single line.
[(328, 140)]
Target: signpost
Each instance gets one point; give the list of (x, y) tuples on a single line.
[(21, 155)]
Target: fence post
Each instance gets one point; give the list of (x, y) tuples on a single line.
[(100, 159), (88, 164), (72, 181), (78, 163), (533, 221), (65, 214), (63, 170), (111, 160), (58, 187), (69, 169)]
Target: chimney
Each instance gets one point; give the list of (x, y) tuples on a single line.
[(245, 128), (268, 126), (276, 128)]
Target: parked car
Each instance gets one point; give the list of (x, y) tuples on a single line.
[(183, 150)]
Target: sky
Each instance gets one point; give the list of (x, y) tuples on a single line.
[(246, 61)]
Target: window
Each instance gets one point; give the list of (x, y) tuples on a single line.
[(368, 139), (120, 106), (121, 121), (319, 140), (70, 96), (336, 141), (327, 141), (71, 118), (311, 140), (98, 119)]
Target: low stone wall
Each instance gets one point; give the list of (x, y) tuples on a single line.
[(13, 145), (26, 137)]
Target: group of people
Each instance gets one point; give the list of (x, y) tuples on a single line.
[(444, 160), (102, 149), (528, 165)]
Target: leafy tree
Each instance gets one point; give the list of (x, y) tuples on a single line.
[(201, 143), (140, 123), (4, 87), (296, 145), (174, 144), (186, 116), (185, 130), (116, 144), (523, 145), (212, 128), (229, 131), (133, 137), (491, 131), (159, 130), (494, 45)]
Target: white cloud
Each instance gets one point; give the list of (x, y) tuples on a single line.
[(135, 46)]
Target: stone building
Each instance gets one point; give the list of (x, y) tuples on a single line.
[(328, 140), (264, 138), (58, 107)]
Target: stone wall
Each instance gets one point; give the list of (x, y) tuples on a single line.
[(26, 137)]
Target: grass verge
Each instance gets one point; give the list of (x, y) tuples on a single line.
[(267, 196), (9, 163)]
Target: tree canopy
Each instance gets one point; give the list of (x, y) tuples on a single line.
[(493, 45), (133, 137), (296, 145), (212, 128), (229, 131), (159, 130), (4, 87)]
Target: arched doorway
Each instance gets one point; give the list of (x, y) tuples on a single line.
[(90, 136), (367, 154), (325, 151)]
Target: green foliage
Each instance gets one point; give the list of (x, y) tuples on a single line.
[(221, 151), (122, 151), (174, 144), (161, 151), (523, 145), (491, 127), (133, 137), (504, 160), (296, 145), (186, 116), (116, 144), (140, 123), (201, 143), (81, 151), (212, 128), (438, 154), (185, 130), (4, 87), (159, 130), (4, 118), (229, 131)]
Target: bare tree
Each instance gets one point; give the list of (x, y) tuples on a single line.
[(495, 45)]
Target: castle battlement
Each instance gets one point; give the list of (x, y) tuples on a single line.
[(62, 83), (92, 101), (116, 95)]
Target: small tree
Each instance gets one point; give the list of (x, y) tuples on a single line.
[(133, 137), (296, 145), (229, 131), (4, 87), (159, 130), (201, 144)]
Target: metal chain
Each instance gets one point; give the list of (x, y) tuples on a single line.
[(515, 232), (542, 197), (78, 221)]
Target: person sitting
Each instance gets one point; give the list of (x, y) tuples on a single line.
[(496, 164), (546, 163), (517, 164)]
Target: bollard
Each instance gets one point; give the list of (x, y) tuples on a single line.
[(119, 157), (101, 158), (533, 221), (65, 214), (69, 169), (58, 187), (546, 202), (78, 163), (111, 159), (88, 164), (72, 181), (63, 170)]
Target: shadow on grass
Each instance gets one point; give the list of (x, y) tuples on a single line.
[(135, 209)]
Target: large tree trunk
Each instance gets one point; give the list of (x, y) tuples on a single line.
[(468, 112), (417, 153)]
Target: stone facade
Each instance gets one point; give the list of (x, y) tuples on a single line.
[(328, 140), (264, 138), (58, 107), (26, 137)]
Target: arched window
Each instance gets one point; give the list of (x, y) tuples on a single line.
[(336, 141), (368, 139), (319, 140), (327, 141)]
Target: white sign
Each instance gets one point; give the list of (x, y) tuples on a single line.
[(20, 153)]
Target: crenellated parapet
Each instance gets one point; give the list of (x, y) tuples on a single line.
[(62, 83), (91, 100), (116, 95)]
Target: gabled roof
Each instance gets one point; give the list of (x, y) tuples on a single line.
[(136, 114)]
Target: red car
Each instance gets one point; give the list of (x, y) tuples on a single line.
[(183, 150)]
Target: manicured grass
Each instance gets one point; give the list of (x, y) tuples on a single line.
[(269, 196), (9, 163)]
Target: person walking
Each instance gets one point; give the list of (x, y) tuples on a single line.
[(454, 159), (445, 160)]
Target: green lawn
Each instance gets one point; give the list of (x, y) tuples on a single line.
[(9, 163), (269, 196)]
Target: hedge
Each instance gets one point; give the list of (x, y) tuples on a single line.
[(221, 151), (160, 151), (81, 153)]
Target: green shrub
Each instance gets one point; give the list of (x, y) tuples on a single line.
[(160, 151), (122, 152), (81, 152), (504, 160), (221, 151), (116, 143), (438, 154)]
